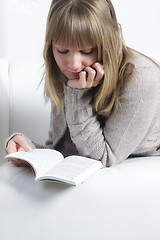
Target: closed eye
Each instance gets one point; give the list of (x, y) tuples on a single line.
[(62, 51), (88, 52), (83, 51)]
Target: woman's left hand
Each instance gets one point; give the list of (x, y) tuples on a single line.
[(88, 78)]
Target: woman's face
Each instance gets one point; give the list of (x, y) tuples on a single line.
[(71, 60)]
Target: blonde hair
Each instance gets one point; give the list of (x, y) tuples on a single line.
[(88, 23)]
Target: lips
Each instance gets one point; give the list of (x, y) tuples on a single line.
[(75, 72), (76, 75)]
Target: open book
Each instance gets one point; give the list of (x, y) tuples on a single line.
[(52, 166)]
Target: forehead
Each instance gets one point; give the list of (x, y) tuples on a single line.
[(73, 46)]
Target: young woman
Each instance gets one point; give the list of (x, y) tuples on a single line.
[(105, 96)]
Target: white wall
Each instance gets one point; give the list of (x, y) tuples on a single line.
[(22, 28), (140, 21)]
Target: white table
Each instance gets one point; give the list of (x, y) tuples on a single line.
[(117, 203)]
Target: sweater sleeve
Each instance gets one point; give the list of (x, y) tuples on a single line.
[(123, 132)]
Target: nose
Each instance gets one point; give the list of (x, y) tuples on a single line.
[(74, 62)]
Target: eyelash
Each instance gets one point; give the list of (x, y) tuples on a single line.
[(87, 53), (62, 52), (84, 53)]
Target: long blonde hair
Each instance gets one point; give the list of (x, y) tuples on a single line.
[(88, 23)]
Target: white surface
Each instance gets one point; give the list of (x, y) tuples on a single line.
[(117, 203)]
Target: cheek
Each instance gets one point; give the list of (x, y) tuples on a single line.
[(95, 57), (91, 60), (59, 60)]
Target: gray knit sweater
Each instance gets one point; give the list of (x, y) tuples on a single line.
[(133, 131)]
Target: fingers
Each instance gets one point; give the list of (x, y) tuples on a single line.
[(18, 143), (99, 72), (90, 77), (18, 163), (11, 147), (22, 142), (74, 83)]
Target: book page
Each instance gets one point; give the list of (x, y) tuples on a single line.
[(73, 169), (40, 159)]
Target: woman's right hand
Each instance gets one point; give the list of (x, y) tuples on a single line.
[(18, 143)]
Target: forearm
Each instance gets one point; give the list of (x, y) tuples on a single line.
[(123, 133), (84, 127)]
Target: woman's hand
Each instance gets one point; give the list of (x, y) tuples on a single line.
[(18, 143), (88, 78)]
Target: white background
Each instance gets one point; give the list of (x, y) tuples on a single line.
[(22, 29)]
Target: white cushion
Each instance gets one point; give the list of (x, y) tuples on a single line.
[(117, 203)]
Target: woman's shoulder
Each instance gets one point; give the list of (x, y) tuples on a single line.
[(140, 60), (145, 78)]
